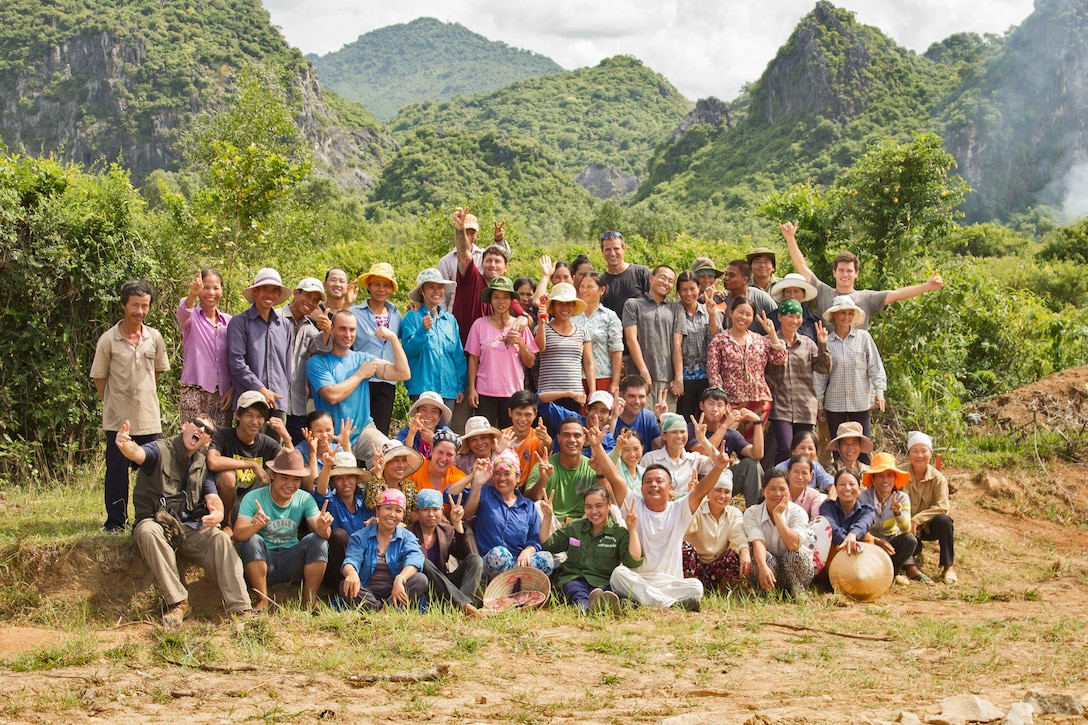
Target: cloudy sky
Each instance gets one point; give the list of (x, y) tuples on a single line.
[(704, 47)]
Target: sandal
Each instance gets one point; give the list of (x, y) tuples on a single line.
[(950, 577), (925, 579)]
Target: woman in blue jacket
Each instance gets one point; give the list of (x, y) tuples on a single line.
[(432, 342)]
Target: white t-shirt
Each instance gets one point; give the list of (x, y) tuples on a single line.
[(662, 535)]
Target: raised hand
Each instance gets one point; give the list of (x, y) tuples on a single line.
[(546, 468), (789, 230), (457, 511), (378, 459), (276, 424), (547, 267), (506, 440), (821, 333), (196, 285), (662, 406), (347, 427), (542, 434), (547, 504), (352, 292), (481, 471), (935, 281), (630, 516), (768, 326), (897, 505), (698, 426), (428, 321), (323, 321), (324, 520), (459, 216), (260, 519), (384, 333), (499, 235)]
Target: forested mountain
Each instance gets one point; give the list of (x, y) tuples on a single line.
[(99, 80), (599, 123), (426, 59)]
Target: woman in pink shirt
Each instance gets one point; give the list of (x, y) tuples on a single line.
[(205, 382)]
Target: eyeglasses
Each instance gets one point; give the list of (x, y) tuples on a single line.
[(611, 235)]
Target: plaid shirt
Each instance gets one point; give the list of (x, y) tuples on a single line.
[(696, 331), (857, 373)]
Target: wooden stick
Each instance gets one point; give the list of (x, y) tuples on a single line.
[(434, 673), (799, 627)]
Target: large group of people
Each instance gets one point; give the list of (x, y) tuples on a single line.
[(586, 425)]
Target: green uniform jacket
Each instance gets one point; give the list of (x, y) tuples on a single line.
[(591, 557)]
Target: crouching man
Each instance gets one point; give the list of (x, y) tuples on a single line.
[(178, 513), (267, 529)]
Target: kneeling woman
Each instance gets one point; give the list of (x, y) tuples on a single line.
[(715, 547), (781, 539), (439, 540), (384, 561), (595, 546), (506, 521)]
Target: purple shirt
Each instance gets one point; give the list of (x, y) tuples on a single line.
[(259, 354), (204, 349)]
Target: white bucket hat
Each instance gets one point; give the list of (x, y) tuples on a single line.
[(429, 275), (267, 276), (845, 302), (793, 280)]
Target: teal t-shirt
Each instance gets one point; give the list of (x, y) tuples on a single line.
[(281, 531), (568, 485)]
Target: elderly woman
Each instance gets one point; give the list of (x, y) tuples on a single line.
[(595, 545), (507, 524), (737, 360), (847, 446), (439, 540), (393, 466), (892, 528), (715, 546), (428, 415), (849, 518), (206, 389), (497, 348), (792, 389), (781, 540), (384, 562), (857, 380), (565, 348), (380, 283), (480, 441), (338, 485), (432, 342), (799, 477), (928, 492)]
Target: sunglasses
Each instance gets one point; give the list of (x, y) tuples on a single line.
[(611, 235), (201, 425)]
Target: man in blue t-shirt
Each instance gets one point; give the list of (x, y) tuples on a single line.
[(267, 529), (339, 382)]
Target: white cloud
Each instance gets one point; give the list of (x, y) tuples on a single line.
[(704, 48)]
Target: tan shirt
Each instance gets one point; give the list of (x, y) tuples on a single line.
[(130, 373), (711, 537), (928, 497)]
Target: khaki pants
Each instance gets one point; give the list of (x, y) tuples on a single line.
[(212, 549)]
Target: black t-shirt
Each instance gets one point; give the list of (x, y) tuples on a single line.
[(263, 450), (628, 284)]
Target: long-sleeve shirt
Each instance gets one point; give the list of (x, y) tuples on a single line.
[(515, 526), (436, 356), (810, 500), (711, 536), (591, 557), (928, 497), (821, 479), (362, 553), (304, 333), (857, 373), (204, 349), (857, 522), (791, 383), (887, 524), (259, 353), (741, 371)]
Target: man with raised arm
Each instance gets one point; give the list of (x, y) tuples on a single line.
[(178, 512), (466, 237), (845, 268), (662, 522), (338, 382)]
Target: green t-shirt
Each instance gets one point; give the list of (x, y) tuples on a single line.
[(569, 484), (281, 531), (591, 557)]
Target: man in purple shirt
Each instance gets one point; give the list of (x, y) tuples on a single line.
[(259, 344)]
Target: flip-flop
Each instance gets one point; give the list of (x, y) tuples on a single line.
[(925, 579)]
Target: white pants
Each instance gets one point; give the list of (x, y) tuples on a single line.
[(653, 589)]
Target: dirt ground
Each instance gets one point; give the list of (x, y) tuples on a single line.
[(1018, 620)]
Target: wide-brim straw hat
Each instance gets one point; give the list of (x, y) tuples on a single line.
[(793, 280), (267, 276), (396, 449), (518, 579), (428, 397), (845, 302), (564, 292), (851, 429), (884, 462), (344, 464), (381, 270), (863, 577), (427, 276), (477, 425)]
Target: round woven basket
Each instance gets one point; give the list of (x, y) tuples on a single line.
[(863, 577), (513, 581)]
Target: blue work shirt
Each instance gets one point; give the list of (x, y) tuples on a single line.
[(514, 526), (362, 553)]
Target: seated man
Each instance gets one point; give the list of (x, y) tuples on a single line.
[(661, 525), (179, 512), (267, 528), (634, 414), (747, 470), (600, 413), (237, 455)]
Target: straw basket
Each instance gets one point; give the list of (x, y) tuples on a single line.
[(519, 587), (863, 577)]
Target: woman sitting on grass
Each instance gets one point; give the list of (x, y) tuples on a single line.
[(928, 492), (849, 518), (384, 562), (715, 547), (892, 528), (338, 485), (804, 444), (781, 540), (848, 444), (595, 546), (393, 464)]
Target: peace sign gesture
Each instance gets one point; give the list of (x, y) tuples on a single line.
[(457, 512), (547, 507), (459, 216), (500, 232), (821, 333), (546, 468), (662, 405), (630, 516), (768, 327)]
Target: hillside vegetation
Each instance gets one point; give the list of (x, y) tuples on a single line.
[(426, 59)]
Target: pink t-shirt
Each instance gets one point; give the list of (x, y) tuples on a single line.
[(500, 373)]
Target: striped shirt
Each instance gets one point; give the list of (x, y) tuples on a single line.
[(561, 359)]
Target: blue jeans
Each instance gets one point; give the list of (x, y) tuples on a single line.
[(577, 591), (285, 565)]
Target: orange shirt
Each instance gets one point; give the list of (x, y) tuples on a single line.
[(422, 477), (528, 447)]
